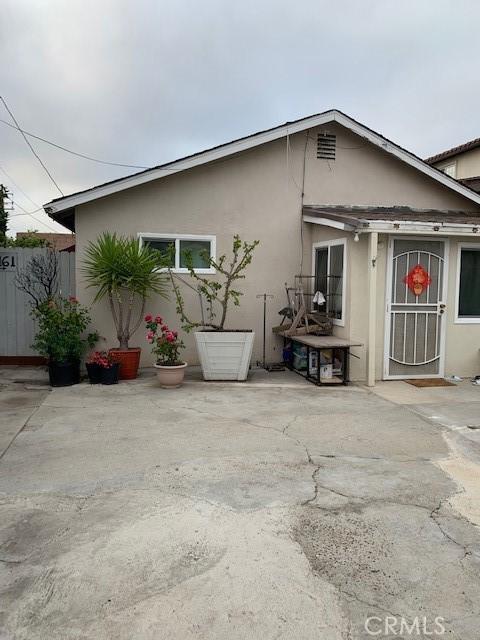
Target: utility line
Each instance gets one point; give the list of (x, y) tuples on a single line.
[(25, 212), (30, 146), (9, 177), (74, 153), (31, 213)]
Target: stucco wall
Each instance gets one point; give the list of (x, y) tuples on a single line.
[(258, 195), (462, 340), (250, 194)]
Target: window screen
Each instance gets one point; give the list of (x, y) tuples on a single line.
[(199, 250), (335, 280), (469, 294), (329, 267), (177, 248), (163, 245), (321, 273)]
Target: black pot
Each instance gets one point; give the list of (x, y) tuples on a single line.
[(94, 371), (110, 374), (64, 374)]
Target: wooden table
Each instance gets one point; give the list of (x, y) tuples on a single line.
[(319, 344)]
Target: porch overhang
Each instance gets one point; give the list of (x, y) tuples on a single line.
[(394, 220)]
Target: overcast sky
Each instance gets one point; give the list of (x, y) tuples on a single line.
[(146, 81)]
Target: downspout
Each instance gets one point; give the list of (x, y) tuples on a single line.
[(372, 306)]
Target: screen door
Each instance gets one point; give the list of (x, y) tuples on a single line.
[(416, 295)]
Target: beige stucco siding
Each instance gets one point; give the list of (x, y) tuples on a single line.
[(462, 340), (257, 194), (365, 175), (250, 195)]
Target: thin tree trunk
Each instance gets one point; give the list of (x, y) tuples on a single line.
[(140, 317)]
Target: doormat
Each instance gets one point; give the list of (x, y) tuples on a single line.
[(431, 382)]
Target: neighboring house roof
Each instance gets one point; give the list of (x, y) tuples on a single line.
[(60, 241), (361, 216), (61, 209), (454, 151), (472, 183)]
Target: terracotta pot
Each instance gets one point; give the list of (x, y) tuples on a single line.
[(129, 360), (170, 377)]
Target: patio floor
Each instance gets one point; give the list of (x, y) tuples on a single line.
[(270, 509)]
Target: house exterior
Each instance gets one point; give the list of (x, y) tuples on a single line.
[(461, 162), (393, 241)]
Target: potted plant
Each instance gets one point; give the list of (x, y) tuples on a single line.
[(224, 353), (61, 338), (102, 368), (126, 273), (166, 347), (94, 368)]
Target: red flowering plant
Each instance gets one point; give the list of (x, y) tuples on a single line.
[(165, 343), (101, 358)]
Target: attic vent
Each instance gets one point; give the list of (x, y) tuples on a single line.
[(326, 143)]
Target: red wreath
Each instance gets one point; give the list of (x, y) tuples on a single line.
[(417, 279)]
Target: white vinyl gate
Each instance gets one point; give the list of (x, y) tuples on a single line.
[(17, 328), (415, 320)]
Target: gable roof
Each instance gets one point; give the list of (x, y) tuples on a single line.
[(454, 151), (64, 205)]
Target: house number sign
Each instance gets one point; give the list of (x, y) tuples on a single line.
[(417, 279), (8, 262)]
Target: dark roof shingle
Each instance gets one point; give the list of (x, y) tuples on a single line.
[(444, 155)]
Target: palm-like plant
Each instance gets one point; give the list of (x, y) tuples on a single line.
[(125, 272)]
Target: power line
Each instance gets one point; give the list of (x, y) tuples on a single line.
[(25, 212), (31, 148), (31, 213), (9, 177), (74, 153)]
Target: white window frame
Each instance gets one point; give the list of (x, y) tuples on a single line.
[(176, 237), (340, 322), (463, 319), (449, 165)]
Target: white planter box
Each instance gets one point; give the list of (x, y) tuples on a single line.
[(225, 355)]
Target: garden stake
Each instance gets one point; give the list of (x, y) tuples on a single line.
[(264, 296)]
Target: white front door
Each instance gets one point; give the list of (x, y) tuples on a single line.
[(416, 308)]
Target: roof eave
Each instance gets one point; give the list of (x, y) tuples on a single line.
[(66, 217), (256, 140), (393, 227)]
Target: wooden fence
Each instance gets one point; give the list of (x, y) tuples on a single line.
[(17, 328)]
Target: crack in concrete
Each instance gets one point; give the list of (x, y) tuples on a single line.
[(35, 409), (374, 605), (436, 513), (317, 486)]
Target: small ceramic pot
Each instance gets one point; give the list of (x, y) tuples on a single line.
[(170, 377)]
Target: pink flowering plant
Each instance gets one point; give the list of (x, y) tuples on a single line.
[(165, 343), (101, 358)]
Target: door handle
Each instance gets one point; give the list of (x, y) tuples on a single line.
[(442, 306)]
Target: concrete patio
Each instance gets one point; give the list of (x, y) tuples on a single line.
[(270, 509)]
